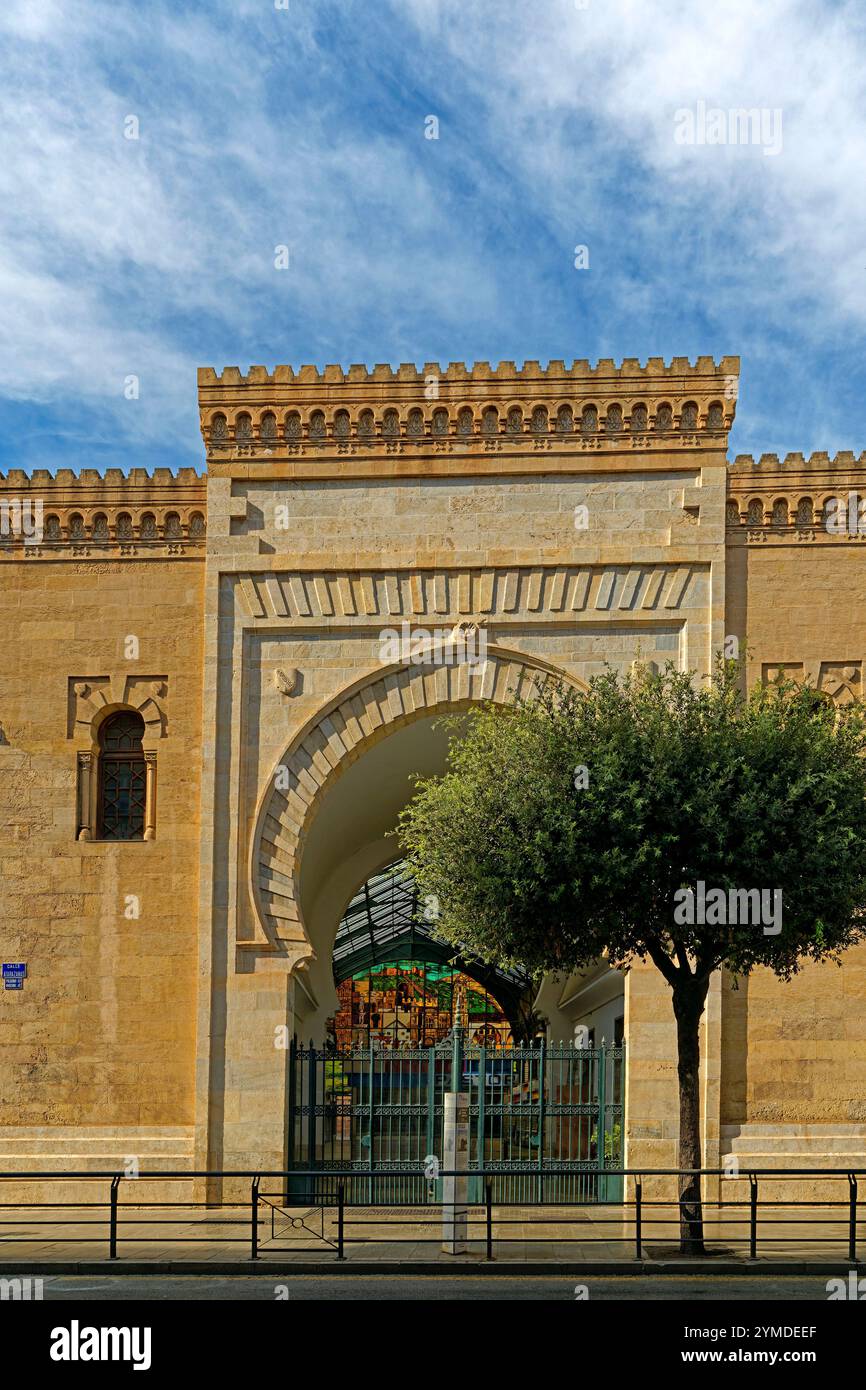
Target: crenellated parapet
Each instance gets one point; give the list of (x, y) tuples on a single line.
[(91, 515), (459, 409), (797, 497)]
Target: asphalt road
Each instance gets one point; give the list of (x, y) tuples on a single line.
[(433, 1288)]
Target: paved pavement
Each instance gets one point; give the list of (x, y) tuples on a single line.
[(434, 1288)]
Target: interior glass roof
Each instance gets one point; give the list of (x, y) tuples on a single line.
[(385, 921)]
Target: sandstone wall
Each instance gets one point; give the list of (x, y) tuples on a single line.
[(796, 597), (103, 1032)]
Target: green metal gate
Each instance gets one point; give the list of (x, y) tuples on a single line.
[(554, 1109)]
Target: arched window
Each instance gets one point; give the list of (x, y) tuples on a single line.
[(540, 420), (122, 778), (589, 420), (244, 428), (293, 427), (689, 416), (342, 425), (269, 426), (465, 421), (613, 420), (440, 422), (415, 424)]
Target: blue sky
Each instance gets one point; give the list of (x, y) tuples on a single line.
[(305, 126)]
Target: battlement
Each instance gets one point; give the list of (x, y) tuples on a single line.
[(100, 484), (457, 372), (90, 515), (773, 499), (460, 409), (844, 461)]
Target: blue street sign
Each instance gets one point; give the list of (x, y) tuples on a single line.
[(14, 975)]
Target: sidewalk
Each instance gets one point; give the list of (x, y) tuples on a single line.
[(153, 1239)]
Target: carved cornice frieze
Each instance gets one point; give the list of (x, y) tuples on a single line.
[(333, 412), (796, 499), (90, 515), (371, 596)]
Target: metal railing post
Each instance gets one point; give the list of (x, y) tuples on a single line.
[(638, 1215), (542, 1114), (852, 1217), (753, 1217), (112, 1225), (254, 1218), (488, 1202), (341, 1213), (293, 1109)]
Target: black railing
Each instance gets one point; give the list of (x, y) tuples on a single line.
[(750, 1225)]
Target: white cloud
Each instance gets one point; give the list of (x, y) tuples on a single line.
[(151, 256), (560, 83)]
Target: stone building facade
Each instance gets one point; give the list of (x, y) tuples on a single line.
[(576, 516)]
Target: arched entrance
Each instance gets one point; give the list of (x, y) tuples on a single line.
[(323, 829), (324, 820)]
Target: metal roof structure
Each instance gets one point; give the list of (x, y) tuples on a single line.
[(387, 920)]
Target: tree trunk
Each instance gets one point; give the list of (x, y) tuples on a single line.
[(689, 1000)]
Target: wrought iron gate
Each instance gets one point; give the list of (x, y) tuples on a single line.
[(552, 1108)]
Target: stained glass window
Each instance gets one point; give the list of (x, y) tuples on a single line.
[(412, 1003), (399, 986)]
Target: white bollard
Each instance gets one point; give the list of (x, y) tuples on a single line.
[(455, 1190)]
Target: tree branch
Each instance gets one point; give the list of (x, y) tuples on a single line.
[(662, 961), (683, 957)]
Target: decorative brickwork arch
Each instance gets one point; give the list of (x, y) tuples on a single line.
[(348, 726)]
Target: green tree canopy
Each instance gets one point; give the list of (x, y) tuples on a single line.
[(567, 827)]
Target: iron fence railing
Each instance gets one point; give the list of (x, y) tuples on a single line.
[(549, 1108), (750, 1226)]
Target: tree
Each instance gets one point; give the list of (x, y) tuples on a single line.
[(583, 824)]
